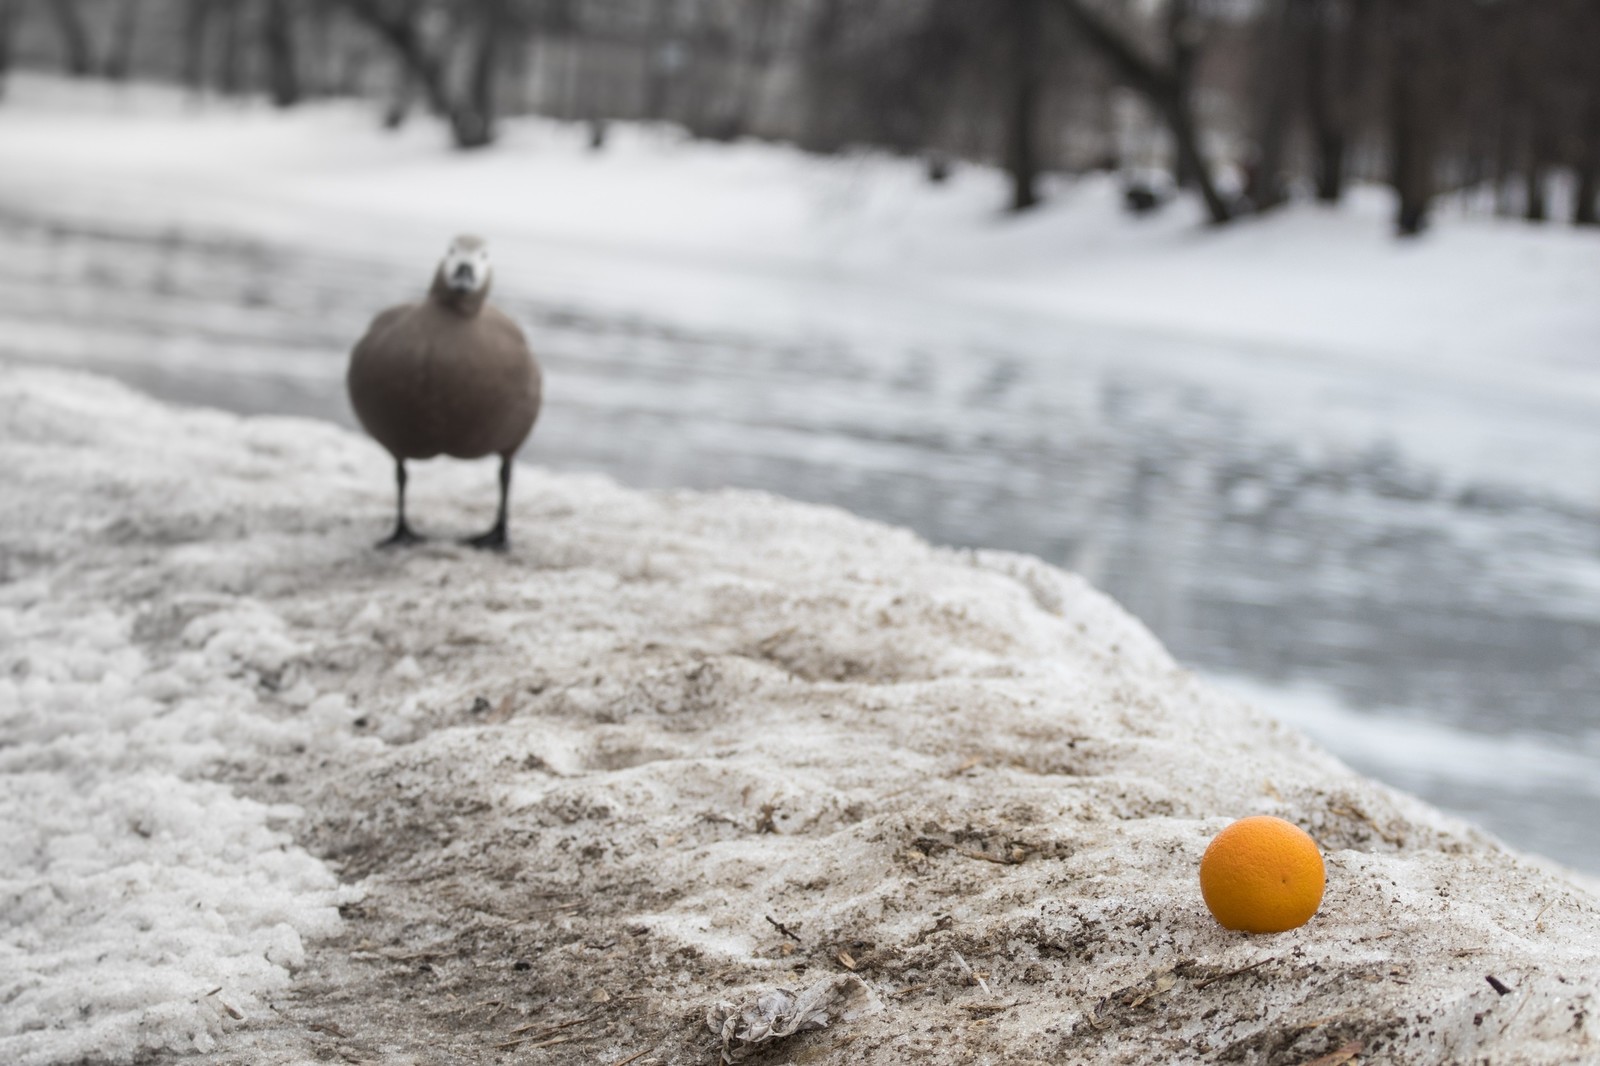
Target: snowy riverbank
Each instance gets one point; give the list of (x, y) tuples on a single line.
[(272, 795), (1315, 319)]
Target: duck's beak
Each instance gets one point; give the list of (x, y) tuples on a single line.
[(463, 278)]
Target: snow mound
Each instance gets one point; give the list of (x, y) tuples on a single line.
[(678, 762), (147, 903)]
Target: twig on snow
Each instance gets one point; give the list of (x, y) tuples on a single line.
[(970, 972)]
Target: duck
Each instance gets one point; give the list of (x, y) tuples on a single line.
[(449, 375)]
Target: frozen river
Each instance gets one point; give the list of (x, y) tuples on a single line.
[(1436, 628)]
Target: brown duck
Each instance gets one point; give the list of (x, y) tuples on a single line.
[(450, 375)]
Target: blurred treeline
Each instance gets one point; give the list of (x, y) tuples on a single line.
[(1246, 102)]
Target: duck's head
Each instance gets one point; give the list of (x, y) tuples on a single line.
[(464, 273)]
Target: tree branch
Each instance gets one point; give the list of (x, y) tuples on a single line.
[(1139, 71), (1166, 86)]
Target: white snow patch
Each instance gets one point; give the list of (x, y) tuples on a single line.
[(146, 905)]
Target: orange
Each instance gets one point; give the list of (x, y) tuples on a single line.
[(1262, 875)]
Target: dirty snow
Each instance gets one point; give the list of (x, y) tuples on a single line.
[(675, 751)]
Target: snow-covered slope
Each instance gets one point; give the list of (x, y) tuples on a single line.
[(673, 750), (642, 226), (1322, 284), (1473, 348)]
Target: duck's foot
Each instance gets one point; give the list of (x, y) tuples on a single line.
[(495, 540), (402, 537)]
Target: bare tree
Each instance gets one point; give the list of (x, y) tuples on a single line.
[(1533, 48), (732, 44), (279, 43), (820, 128), (197, 20), (1336, 55), (1582, 18), (231, 69), (78, 52), (1411, 133), (762, 39), (1587, 192), (1168, 86), (1536, 167), (885, 74), (1280, 43), (9, 10), (398, 25), (124, 32), (1503, 113), (1025, 19), (1444, 93), (479, 115)]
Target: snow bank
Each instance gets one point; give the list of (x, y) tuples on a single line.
[(1472, 348), (1316, 321), (646, 225), (673, 753), (147, 903)]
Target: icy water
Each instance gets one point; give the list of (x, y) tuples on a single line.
[(1439, 632)]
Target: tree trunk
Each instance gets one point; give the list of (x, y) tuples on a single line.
[(663, 57), (1337, 57), (1186, 137), (1585, 211), (196, 22), (1505, 162), (472, 121), (473, 125), (1535, 205), (8, 21), (231, 72), (1167, 88), (320, 43), (1022, 119), (400, 31), (349, 76), (1330, 175), (819, 89), (405, 94), (1325, 105), (1109, 158), (278, 41), (1541, 142), (755, 60), (1180, 76), (119, 53), (1411, 160), (1183, 44), (519, 67), (1277, 50), (74, 37)]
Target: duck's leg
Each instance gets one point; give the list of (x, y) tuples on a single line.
[(402, 534), (495, 539)]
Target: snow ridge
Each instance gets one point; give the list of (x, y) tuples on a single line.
[(674, 750), (147, 905)]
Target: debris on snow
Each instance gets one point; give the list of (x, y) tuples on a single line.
[(779, 1012), (251, 814)]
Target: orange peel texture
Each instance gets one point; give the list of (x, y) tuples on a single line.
[(1262, 875)]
